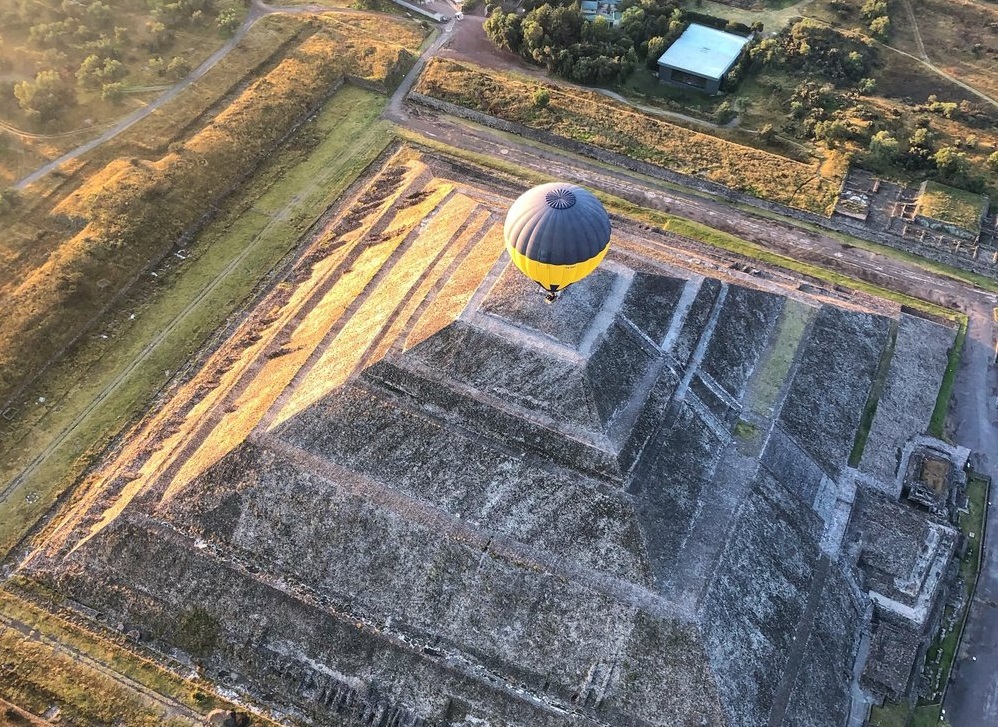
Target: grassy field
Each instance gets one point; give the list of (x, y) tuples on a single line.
[(870, 409), (592, 118), (937, 424), (173, 317), (765, 384), (50, 661)]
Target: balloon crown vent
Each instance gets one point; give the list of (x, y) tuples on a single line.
[(560, 199)]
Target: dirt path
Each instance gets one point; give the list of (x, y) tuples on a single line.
[(914, 27), (940, 72), (257, 11)]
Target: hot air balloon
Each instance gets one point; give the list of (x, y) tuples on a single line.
[(556, 235)]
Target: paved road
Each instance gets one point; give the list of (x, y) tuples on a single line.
[(972, 699)]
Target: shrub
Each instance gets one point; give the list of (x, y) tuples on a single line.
[(44, 98), (229, 21), (113, 92), (881, 27), (884, 147), (867, 85)]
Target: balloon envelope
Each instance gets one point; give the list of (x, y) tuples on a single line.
[(557, 234)]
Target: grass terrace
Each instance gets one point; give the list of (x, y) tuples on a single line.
[(593, 119), (954, 206)]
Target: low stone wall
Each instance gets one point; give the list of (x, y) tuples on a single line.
[(837, 224)]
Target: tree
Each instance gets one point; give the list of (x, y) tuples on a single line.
[(505, 30), (867, 85), (100, 14), (767, 134), (96, 71), (160, 37), (881, 27), (632, 22), (178, 67), (874, 9), (831, 131), (768, 52), (921, 138), (884, 147), (993, 161), (229, 21), (723, 113), (856, 64), (542, 98), (113, 92), (87, 73), (44, 98), (951, 163), (656, 47)]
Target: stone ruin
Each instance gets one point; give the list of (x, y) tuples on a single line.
[(408, 492)]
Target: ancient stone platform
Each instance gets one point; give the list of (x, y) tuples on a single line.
[(406, 491)]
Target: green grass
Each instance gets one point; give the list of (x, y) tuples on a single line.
[(173, 319), (937, 424), (765, 384), (973, 522), (870, 410), (746, 431), (955, 206), (890, 715), (109, 652)]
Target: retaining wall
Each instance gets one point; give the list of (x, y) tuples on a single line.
[(849, 227)]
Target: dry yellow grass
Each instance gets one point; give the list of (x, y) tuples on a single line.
[(457, 292), (594, 119), (460, 209)]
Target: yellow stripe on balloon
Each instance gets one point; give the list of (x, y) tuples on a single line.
[(555, 277)]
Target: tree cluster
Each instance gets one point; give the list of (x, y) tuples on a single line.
[(177, 14), (557, 37), (90, 42), (819, 51), (875, 13), (917, 151)]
